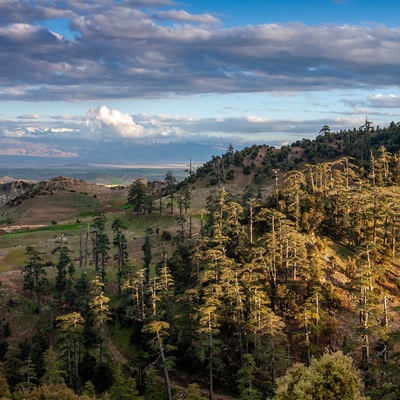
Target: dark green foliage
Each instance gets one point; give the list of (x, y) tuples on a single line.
[(245, 379), (12, 366), (40, 344), (166, 235), (147, 254), (247, 169), (103, 377), (6, 330), (124, 387), (139, 197), (82, 288), (34, 275), (154, 389), (100, 246), (170, 182), (3, 349), (87, 367), (355, 143), (121, 256), (62, 265), (230, 175)]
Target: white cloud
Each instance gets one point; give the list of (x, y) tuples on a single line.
[(118, 124), (163, 130), (383, 101), (184, 16), (374, 103), (30, 116), (21, 33), (105, 122)]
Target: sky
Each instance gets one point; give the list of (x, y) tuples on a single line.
[(199, 71)]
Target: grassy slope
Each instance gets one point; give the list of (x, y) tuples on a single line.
[(66, 207), (32, 225)]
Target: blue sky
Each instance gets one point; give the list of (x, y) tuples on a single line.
[(211, 72)]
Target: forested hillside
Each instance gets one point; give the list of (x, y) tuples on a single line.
[(217, 286)]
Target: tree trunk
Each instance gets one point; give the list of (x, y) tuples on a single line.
[(86, 245), (80, 245), (210, 362), (164, 363), (251, 220), (69, 363), (101, 349), (38, 299)]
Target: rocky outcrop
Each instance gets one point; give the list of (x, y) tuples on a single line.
[(15, 192), (10, 191), (72, 184)]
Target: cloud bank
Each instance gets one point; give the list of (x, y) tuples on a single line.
[(108, 124), (137, 50)]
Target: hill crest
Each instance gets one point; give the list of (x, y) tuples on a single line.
[(16, 190)]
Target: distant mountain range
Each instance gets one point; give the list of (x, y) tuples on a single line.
[(50, 150)]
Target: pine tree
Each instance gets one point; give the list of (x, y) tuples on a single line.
[(245, 379), (124, 387), (295, 182), (89, 389), (147, 253), (52, 367), (71, 326), (4, 389), (139, 197), (208, 342), (165, 290), (29, 373), (134, 289), (101, 247), (100, 308), (170, 182), (62, 265), (34, 274), (194, 392), (160, 328), (120, 242)]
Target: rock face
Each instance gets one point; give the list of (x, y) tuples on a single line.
[(72, 184), (10, 192)]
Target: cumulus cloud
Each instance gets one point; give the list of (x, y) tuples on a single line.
[(112, 123), (115, 122)]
